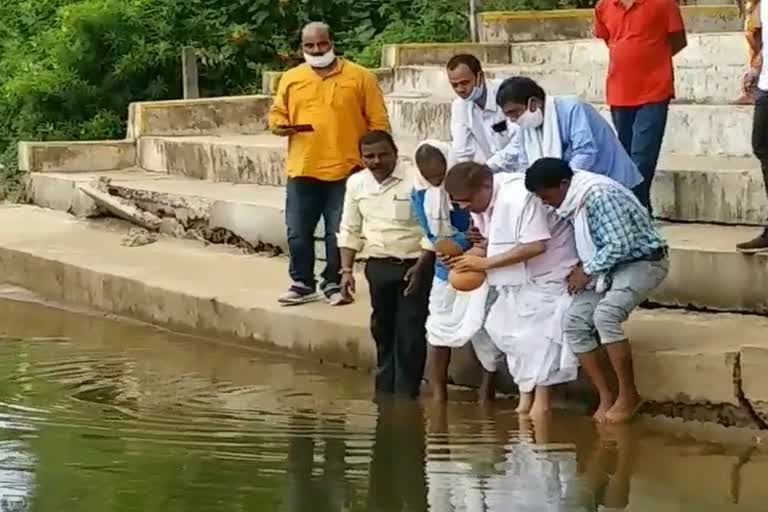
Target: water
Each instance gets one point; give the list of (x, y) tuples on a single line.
[(102, 416)]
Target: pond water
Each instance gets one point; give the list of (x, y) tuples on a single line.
[(104, 416)]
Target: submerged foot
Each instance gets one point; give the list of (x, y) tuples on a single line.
[(601, 413), (624, 410), (540, 412), (524, 406)]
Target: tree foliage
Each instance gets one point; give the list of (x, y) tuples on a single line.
[(69, 68)]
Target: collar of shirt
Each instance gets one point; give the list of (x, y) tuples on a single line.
[(491, 89), (373, 186), (621, 4)]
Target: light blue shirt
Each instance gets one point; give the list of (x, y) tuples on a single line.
[(590, 144)]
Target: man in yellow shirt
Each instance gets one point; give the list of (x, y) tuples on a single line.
[(323, 106), (379, 225)]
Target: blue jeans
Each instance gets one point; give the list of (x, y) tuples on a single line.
[(641, 131), (308, 199)]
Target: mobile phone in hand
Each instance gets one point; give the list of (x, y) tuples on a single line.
[(298, 128)]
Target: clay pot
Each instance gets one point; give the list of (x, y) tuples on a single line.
[(476, 251), (448, 247), (466, 281)]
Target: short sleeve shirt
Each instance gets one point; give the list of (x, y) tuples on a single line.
[(640, 68)]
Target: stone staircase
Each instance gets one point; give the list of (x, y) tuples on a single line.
[(213, 159)]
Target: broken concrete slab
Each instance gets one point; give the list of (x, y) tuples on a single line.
[(120, 208), (754, 378), (62, 193), (706, 271), (76, 262), (510, 26), (77, 156)]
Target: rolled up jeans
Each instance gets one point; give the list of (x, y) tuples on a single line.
[(604, 313)]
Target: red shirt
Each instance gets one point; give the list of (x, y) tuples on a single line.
[(640, 67)]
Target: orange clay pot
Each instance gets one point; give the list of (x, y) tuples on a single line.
[(466, 281), (448, 247)]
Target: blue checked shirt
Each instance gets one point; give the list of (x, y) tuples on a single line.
[(621, 230)]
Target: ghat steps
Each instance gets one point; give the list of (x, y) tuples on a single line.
[(213, 157)]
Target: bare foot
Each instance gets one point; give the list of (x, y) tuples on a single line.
[(439, 394), (601, 414), (539, 412), (624, 409), (526, 400)]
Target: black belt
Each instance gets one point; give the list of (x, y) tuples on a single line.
[(395, 261)]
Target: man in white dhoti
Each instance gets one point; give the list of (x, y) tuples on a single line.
[(530, 252), (454, 317)]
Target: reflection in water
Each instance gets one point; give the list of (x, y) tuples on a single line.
[(104, 417), (397, 480)]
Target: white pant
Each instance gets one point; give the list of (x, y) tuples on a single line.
[(457, 317)]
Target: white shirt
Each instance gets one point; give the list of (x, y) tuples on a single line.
[(762, 82), (518, 218), (474, 138), (378, 219)]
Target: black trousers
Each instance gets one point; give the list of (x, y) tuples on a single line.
[(760, 133), (398, 326)]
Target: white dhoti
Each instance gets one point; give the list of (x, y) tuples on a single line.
[(457, 317), (525, 323)]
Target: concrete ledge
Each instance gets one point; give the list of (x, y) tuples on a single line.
[(232, 114), (510, 26), (709, 85), (702, 130), (706, 271), (88, 156), (256, 159), (75, 262), (394, 55), (710, 189)]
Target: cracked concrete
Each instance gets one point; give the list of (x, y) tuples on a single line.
[(685, 361)]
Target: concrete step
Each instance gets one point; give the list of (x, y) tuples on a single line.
[(254, 212), (693, 189), (726, 190), (509, 26), (255, 159), (719, 83), (706, 271), (705, 130), (692, 129), (709, 362), (703, 51)]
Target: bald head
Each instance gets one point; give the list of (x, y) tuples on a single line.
[(316, 26)]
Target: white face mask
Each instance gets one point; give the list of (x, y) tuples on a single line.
[(529, 120), (477, 93), (320, 61)]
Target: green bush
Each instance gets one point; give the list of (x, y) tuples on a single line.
[(69, 68)]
